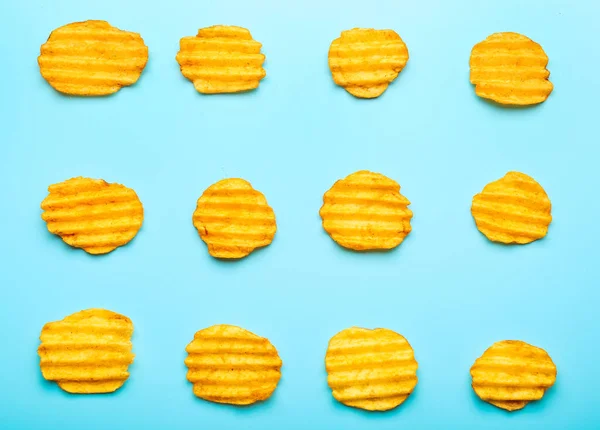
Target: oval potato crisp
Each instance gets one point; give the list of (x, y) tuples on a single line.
[(92, 58), (221, 59), (228, 364), (92, 214)]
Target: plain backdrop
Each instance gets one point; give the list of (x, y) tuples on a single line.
[(449, 290)]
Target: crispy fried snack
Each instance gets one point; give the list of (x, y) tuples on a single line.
[(374, 370), (92, 58), (234, 219), (510, 69), (364, 61), (92, 214), (221, 59), (514, 209), (87, 352), (512, 373), (366, 211), (228, 364)]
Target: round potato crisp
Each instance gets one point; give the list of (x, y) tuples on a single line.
[(234, 219), (513, 209), (374, 370), (512, 373), (365, 61), (87, 352), (365, 211), (510, 69)]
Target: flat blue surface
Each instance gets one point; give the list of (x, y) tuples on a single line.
[(451, 292)]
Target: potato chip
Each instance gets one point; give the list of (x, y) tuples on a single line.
[(234, 219), (514, 209), (364, 61), (512, 373), (221, 59), (228, 364), (92, 214), (87, 352), (510, 69), (92, 58), (374, 370), (366, 211)]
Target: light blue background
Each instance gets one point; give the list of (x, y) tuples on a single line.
[(451, 292)]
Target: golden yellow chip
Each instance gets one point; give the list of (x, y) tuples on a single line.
[(366, 211), (374, 370), (512, 373), (364, 61), (221, 59), (234, 219), (92, 58), (92, 214), (510, 69), (87, 352), (228, 364), (514, 209)]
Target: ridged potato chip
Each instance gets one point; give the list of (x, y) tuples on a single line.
[(374, 370), (365, 61), (512, 373), (234, 219), (92, 214), (514, 209), (365, 211), (510, 69), (228, 364), (92, 58), (221, 59), (87, 352)]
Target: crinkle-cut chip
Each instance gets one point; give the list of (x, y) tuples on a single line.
[(92, 58), (87, 352), (221, 59), (512, 373), (228, 364), (374, 370), (92, 214), (234, 219), (510, 69), (365, 61), (365, 211), (514, 209)]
